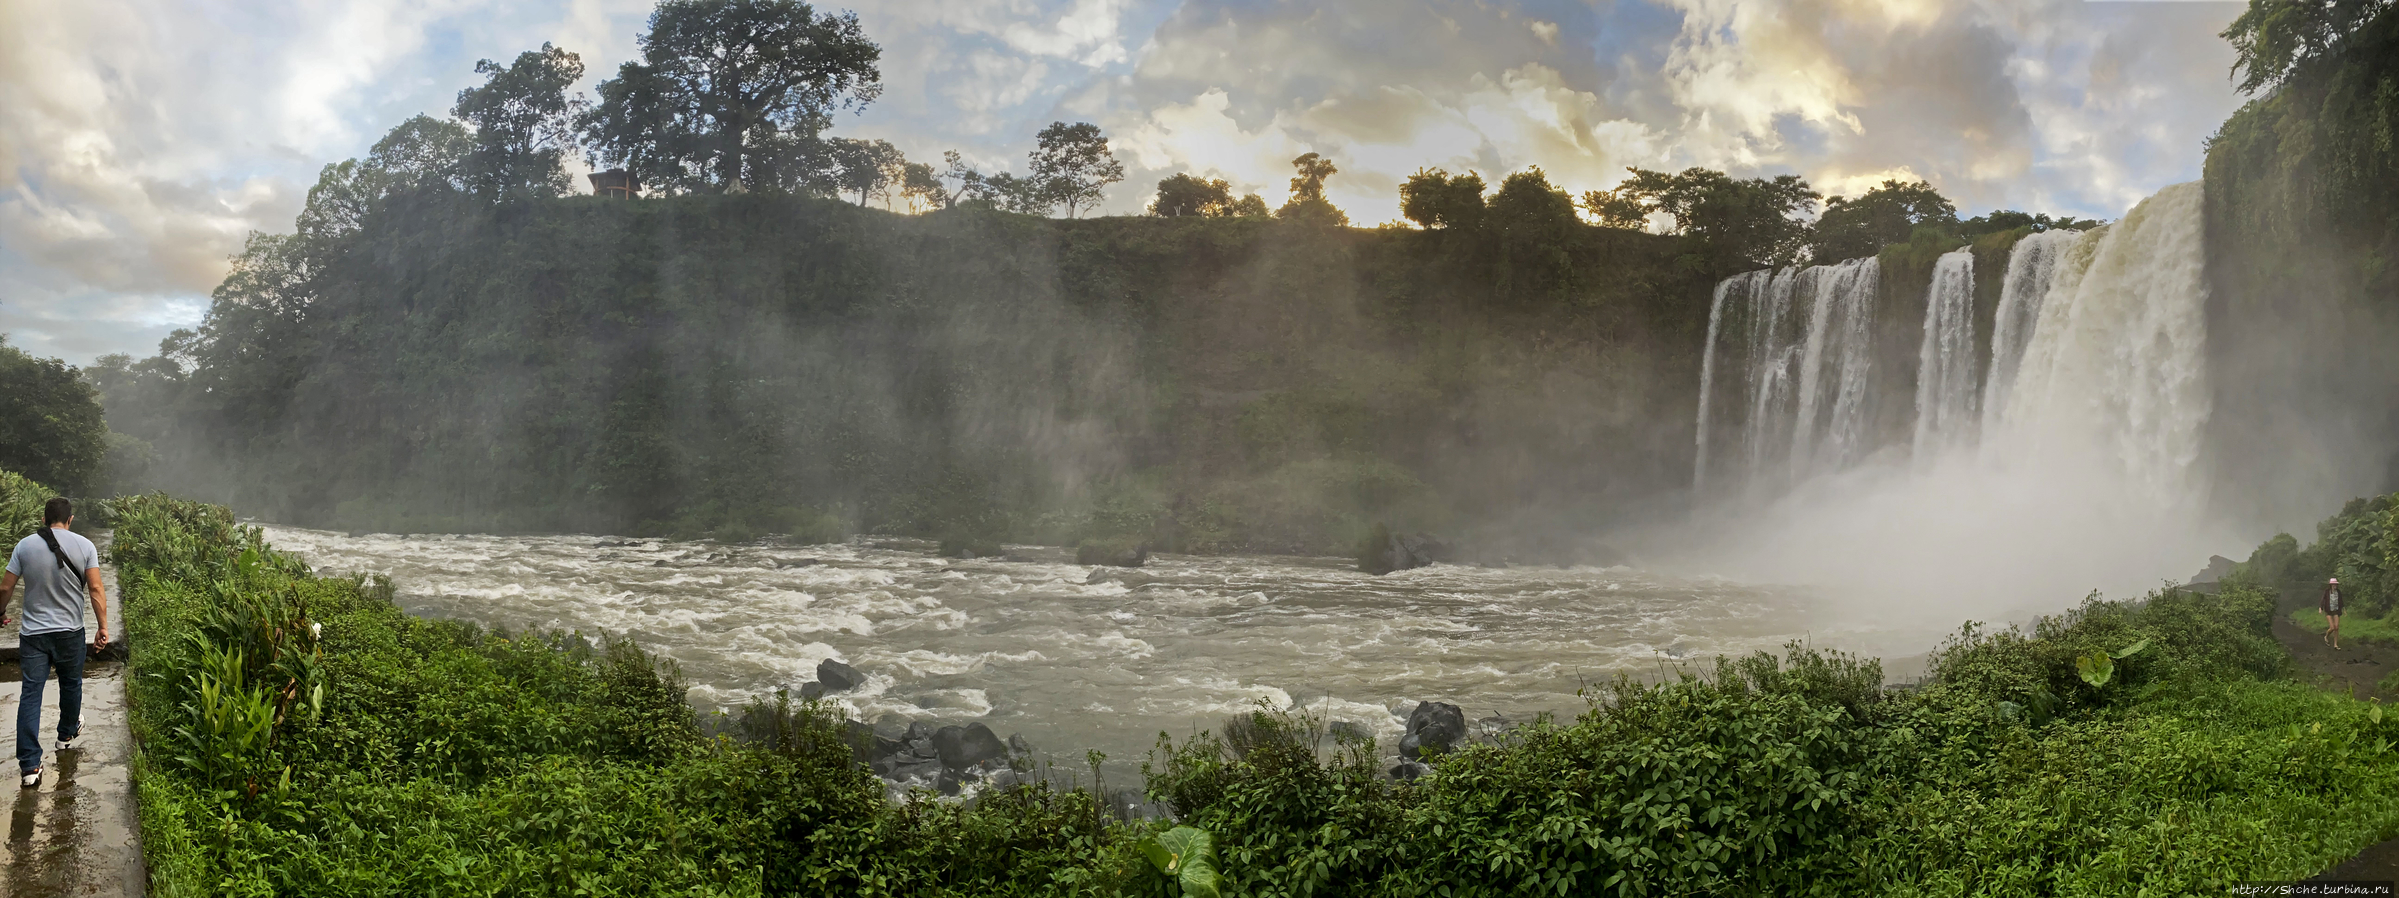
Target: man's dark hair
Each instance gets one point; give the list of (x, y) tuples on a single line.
[(57, 511)]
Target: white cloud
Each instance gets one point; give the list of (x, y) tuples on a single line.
[(141, 139)]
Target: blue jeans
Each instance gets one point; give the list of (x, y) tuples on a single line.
[(38, 654)]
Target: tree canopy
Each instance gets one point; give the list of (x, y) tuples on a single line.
[(524, 124), (2272, 38), (1747, 223), (1073, 165), (730, 93), (1851, 229), (51, 429), (1181, 195), (1307, 203), (1434, 198)]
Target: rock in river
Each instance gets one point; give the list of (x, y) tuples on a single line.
[(838, 677), (1433, 729), (966, 746)]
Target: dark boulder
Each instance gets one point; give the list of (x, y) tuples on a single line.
[(1433, 729), (811, 691), (1112, 552), (1385, 551), (1018, 747), (914, 770), (838, 677), (1408, 770), (966, 746)]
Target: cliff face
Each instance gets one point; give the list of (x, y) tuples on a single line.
[(2303, 233), (774, 364)]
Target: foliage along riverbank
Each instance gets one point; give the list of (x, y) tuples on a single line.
[(301, 735)]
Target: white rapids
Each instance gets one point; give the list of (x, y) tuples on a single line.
[(1074, 662)]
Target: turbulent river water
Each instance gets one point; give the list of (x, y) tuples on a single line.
[(1076, 657)]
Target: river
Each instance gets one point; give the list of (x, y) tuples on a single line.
[(1075, 657)]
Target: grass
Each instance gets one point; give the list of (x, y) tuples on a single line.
[(2353, 626)]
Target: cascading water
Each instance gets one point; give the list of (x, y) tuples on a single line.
[(2031, 267), (1945, 365), (2077, 473), (1831, 419), (2096, 341), (1792, 351), (2117, 363)]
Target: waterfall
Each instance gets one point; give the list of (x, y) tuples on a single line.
[(2031, 267), (1831, 417), (1784, 375), (2117, 362), (1945, 369)]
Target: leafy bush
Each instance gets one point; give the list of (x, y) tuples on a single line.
[(21, 502), (2192, 764)]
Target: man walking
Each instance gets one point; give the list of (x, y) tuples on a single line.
[(58, 568)]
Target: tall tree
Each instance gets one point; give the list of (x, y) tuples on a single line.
[(1184, 195), (1746, 223), (1616, 209), (524, 124), (1307, 203), (1433, 198), (1528, 206), (733, 92), (866, 167), (2273, 38), (51, 429), (422, 153), (1852, 229), (922, 187), (1072, 164)]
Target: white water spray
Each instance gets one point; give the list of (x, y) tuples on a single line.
[(2068, 467), (2117, 365), (1800, 342), (1945, 365), (2031, 267)]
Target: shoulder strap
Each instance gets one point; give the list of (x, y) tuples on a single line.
[(52, 540)]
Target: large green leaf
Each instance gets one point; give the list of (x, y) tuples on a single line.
[(2096, 668), (1187, 855), (2131, 650)]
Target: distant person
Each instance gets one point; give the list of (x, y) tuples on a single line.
[(59, 568), (2330, 604)]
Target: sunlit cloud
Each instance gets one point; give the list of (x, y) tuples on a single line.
[(141, 140)]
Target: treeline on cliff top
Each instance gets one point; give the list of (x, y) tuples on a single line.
[(300, 735), (449, 341)]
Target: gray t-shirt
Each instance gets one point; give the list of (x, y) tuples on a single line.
[(54, 598)]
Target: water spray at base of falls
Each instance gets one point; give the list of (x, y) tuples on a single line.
[(2064, 464)]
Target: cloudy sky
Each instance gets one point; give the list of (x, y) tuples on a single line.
[(140, 140)]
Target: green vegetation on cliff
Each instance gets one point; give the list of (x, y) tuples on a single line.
[(763, 363), (2303, 260)]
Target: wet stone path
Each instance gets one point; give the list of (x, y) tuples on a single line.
[(74, 835)]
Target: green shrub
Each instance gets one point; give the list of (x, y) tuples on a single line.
[(299, 735), (21, 502)]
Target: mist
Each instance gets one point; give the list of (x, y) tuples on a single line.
[(2084, 476)]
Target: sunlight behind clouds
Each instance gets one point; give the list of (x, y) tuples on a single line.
[(140, 140)]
